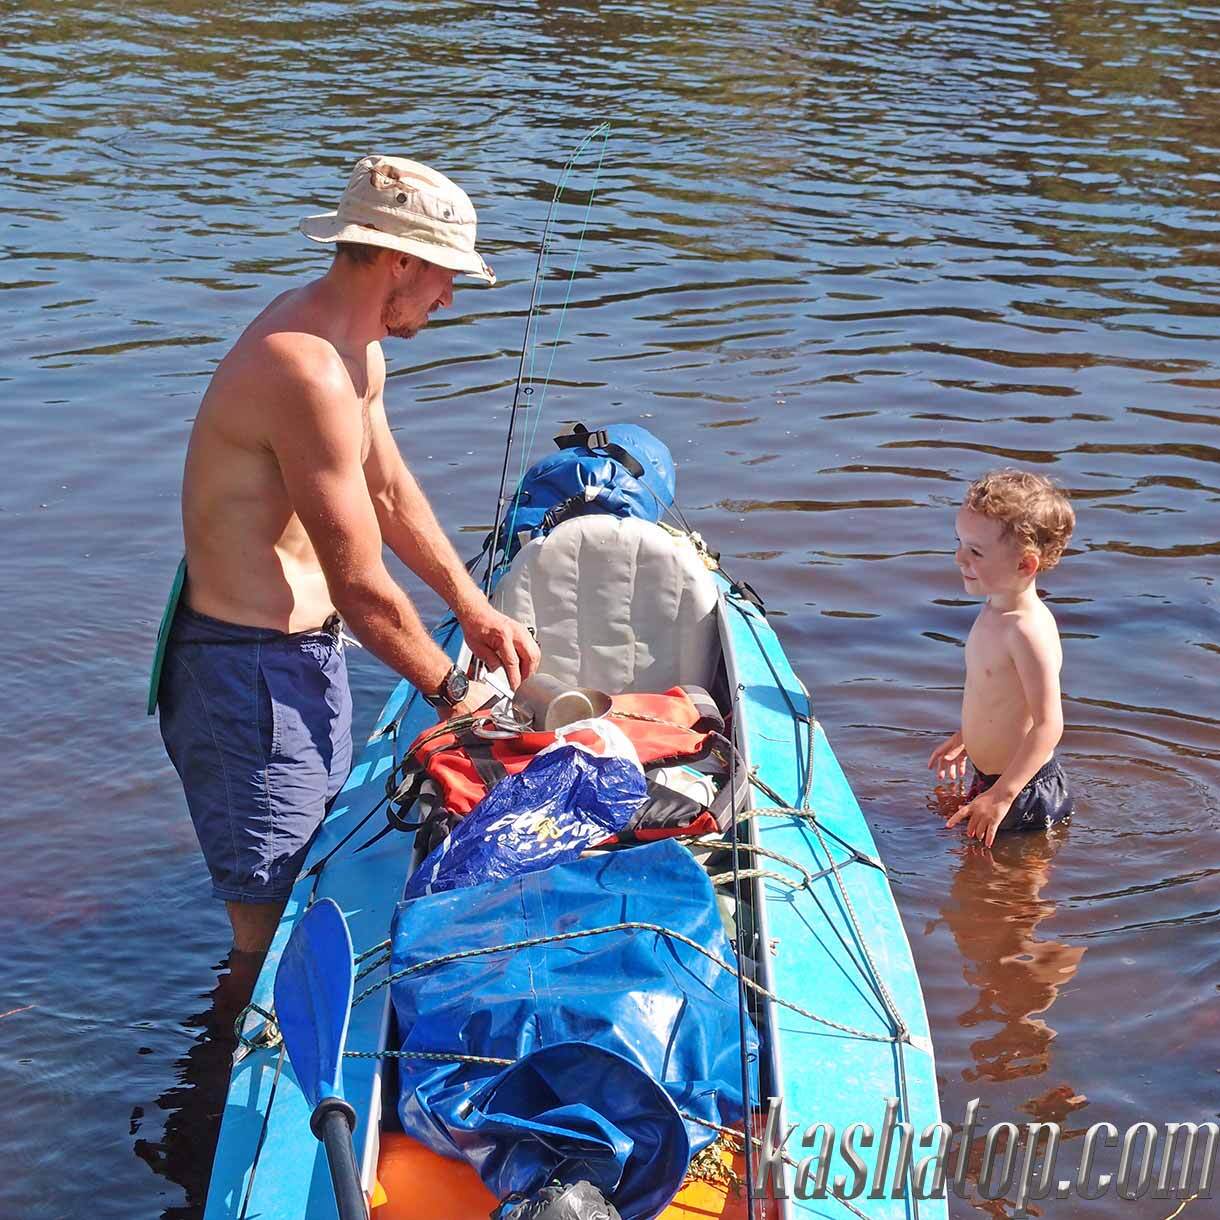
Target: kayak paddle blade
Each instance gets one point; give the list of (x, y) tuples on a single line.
[(313, 998)]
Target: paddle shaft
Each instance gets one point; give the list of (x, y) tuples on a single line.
[(333, 1123)]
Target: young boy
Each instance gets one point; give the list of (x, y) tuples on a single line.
[(1012, 526)]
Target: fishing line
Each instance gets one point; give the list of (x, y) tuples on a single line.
[(526, 382), (603, 133)]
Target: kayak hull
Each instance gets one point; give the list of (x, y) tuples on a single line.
[(836, 948)]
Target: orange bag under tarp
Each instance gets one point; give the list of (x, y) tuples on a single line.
[(419, 1184), (665, 728)]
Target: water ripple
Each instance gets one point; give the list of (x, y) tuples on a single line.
[(844, 257)]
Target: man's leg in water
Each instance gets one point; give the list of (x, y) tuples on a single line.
[(257, 724), (254, 925)]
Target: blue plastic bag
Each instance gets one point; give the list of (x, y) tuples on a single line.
[(621, 1041), (570, 797), (589, 478)]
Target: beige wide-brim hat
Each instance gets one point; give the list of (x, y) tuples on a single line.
[(403, 205)]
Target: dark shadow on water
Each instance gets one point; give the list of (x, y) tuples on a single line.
[(194, 1104)]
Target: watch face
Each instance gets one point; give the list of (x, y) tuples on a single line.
[(456, 686)]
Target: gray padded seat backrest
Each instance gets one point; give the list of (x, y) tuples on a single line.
[(618, 604)]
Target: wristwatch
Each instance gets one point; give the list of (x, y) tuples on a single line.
[(452, 691)]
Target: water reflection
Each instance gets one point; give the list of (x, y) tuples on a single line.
[(994, 907), (195, 1102)]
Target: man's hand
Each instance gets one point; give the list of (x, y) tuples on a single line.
[(949, 758), (500, 642), (985, 813)]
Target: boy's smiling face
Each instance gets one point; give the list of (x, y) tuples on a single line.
[(990, 559)]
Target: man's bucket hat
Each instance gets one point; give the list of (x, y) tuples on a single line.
[(403, 205)]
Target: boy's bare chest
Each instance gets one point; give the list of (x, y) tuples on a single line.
[(988, 662)]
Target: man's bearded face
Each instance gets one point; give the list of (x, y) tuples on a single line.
[(423, 289)]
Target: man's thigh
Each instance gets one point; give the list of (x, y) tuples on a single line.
[(260, 733)]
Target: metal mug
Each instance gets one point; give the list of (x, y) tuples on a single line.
[(548, 703)]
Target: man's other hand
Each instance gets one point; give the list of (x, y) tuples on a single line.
[(500, 642)]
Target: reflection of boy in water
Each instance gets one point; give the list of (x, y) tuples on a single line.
[(1016, 973), (1012, 526), (997, 908)]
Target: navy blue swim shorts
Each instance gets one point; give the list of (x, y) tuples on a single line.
[(1044, 801), (258, 726)]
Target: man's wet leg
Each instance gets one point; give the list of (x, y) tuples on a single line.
[(254, 925)]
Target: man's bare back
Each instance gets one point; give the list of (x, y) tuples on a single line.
[(249, 557), (294, 484)]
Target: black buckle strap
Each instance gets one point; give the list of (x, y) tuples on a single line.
[(574, 506), (746, 592), (579, 437)]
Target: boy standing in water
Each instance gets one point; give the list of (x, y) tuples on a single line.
[(1012, 526)]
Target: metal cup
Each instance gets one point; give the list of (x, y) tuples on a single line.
[(548, 704)]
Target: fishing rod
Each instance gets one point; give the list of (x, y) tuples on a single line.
[(525, 384)]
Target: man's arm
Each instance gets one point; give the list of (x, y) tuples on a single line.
[(408, 525), (316, 432), (410, 529)]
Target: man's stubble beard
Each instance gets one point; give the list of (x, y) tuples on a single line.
[(392, 313), (395, 328)]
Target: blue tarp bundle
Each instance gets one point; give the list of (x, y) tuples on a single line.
[(600, 482), (614, 1036)]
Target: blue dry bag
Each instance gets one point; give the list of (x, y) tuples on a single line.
[(621, 469), (623, 1043), (570, 797)]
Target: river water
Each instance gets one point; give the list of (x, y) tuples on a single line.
[(843, 258)]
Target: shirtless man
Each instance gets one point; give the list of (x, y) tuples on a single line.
[(1012, 526), (293, 483)]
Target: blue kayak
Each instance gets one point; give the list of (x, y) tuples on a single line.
[(627, 605)]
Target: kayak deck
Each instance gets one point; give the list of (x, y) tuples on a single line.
[(833, 942)]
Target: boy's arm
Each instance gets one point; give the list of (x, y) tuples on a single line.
[(1037, 663)]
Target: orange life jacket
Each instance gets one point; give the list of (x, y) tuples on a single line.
[(667, 728)]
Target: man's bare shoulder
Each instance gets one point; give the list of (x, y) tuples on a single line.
[(301, 361), (276, 368)]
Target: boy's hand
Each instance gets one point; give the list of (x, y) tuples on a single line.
[(985, 813), (949, 758)]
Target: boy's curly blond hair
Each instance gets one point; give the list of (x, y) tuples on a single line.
[(1031, 509)]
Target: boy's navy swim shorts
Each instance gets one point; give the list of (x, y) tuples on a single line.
[(258, 726), (1043, 802)]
